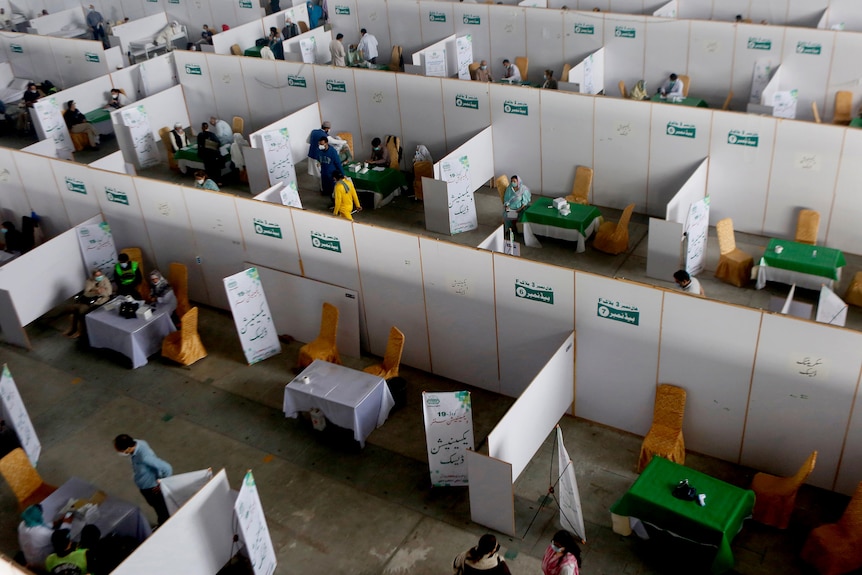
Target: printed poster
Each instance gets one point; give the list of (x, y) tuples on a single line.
[(290, 195), (251, 314), (97, 247), (308, 47), (462, 205), (448, 433), (279, 162), (49, 119), (135, 118), (435, 63), (464, 45), (784, 104), (697, 228), (252, 525), (589, 86), (17, 418), (759, 80)]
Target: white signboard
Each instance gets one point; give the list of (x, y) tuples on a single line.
[(279, 162), (97, 247), (449, 434), (760, 79), (252, 525), (308, 47), (51, 122), (462, 205), (290, 195), (251, 314), (697, 228), (179, 488), (571, 515), (464, 45), (589, 86), (16, 416), (784, 104), (435, 63), (135, 118)]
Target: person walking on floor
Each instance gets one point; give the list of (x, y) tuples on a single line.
[(147, 469), (482, 558)]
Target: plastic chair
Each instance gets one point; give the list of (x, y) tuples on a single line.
[(236, 50), (581, 187), (816, 112), (165, 135), (136, 255), (776, 496), (185, 346), (303, 27), (686, 84), (395, 63), (392, 358), (80, 140), (420, 169), (665, 436), (836, 548), (472, 68), (734, 265), (613, 238), (23, 479), (324, 346), (565, 75), (502, 183), (726, 105), (807, 226), (178, 277), (523, 64), (623, 91), (843, 107), (237, 124), (854, 291)]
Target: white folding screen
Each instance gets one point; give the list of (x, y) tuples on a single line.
[(42, 192), (377, 102), (472, 19), (228, 87), (845, 72), (843, 230), (372, 15), (466, 111), (336, 91), (343, 18), (262, 84), (850, 469), (13, 199), (435, 21), (567, 139), (269, 235), (118, 200), (544, 42), (76, 186), (666, 51), (194, 76), (407, 33), (805, 66), (625, 49)]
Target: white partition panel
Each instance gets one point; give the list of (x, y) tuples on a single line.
[(459, 302), (805, 378), (805, 13), (845, 72), (740, 155), (492, 497), (850, 468), (158, 74), (621, 138), (76, 185), (372, 15), (545, 31), (47, 64), (88, 96), (139, 29), (625, 47), (118, 200), (217, 238), (710, 61), (666, 51), (420, 102), (17, 48), (390, 271), (261, 80), (42, 192), (407, 33), (194, 76), (228, 87), (508, 28), (617, 363), (472, 19), (326, 248), (244, 35), (171, 237), (725, 10), (377, 100), (535, 306), (804, 171), (805, 66), (268, 235), (336, 91), (753, 43), (714, 368), (435, 20), (343, 18), (479, 151), (843, 226), (517, 133), (466, 110), (679, 142), (13, 198), (583, 35), (296, 86), (772, 11), (567, 139), (845, 12)]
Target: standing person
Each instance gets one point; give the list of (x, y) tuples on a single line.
[(379, 154), (515, 201), (222, 130), (346, 199), (179, 138), (128, 276), (330, 164), (563, 556), (313, 150), (483, 74), (687, 283), (97, 25), (512, 73), (550, 83), (483, 557), (202, 181), (208, 150), (368, 46), (78, 124), (147, 469), (337, 51), (34, 537), (274, 6), (290, 29)]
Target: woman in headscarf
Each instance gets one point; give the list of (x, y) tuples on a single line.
[(563, 556), (639, 92), (481, 558), (34, 537), (162, 294)]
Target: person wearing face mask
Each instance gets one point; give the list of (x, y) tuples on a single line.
[(515, 201), (550, 83), (78, 124), (96, 23), (117, 99), (97, 291), (147, 469), (379, 154), (203, 182), (512, 73), (13, 241), (483, 558), (346, 200), (179, 138), (330, 163), (563, 556), (483, 74), (128, 276), (314, 147), (27, 102)]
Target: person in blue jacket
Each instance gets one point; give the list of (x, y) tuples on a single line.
[(330, 163)]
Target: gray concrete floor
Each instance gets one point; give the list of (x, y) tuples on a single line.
[(331, 507)]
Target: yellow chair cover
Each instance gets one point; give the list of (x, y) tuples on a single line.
[(395, 58), (79, 140), (165, 135), (613, 238), (420, 169), (807, 226), (23, 479), (394, 145), (686, 84), (502, 183), (347, 137), (392, 359), (178, 277), (734, 265), (854, 291), (237, 124), (836, 548), (623, 91), (843, 107), (472, 69), (185, 346), (776, 496), (523, 64), (581, 186), (236, 50), (665, 436), (324, 346)]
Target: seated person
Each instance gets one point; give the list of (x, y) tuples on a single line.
[(550, 83), (639, 92), (13, 240), (27, 102), (483, 74), (515, 201), (34, 537), (290, 29), (179, 137), (91, 543), (97, 291), (206, 36), (672, 87), (354, 58), (379, 154), (66, 558), (346, 200), (117, 99), (162, 294), (274, 37), (512, 73), (128, 276), (78, 124), (202, 181)]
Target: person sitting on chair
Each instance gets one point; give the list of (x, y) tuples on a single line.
[(515, 201), (117, 99), (27, 102), (639, 92), (672, 87), (97, 291), (66, 558), (128, 276), (78, 124), (550, 83), (379, 154), (13, 240), (512, 73), (179, 137), (483, 74), (290, 29), (34, 537)]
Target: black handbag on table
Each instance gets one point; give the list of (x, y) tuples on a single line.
[(128, 309)]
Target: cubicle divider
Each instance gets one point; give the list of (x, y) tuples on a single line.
[(140, 30), (589, 73), (479, 152), (71, 19), (244, 35), (440, 59), (64, 61), (214, 14), (320, 39)]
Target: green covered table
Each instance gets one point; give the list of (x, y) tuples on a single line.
[(687, 101), (187, 158), (101, 120), (521, 83), (381, 183), (801, 264), (856, 123), (543, 219), (650, 500), (253, 52)]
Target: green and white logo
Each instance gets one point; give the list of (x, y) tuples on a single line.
[(583, 28), (296, 81), (265, 228), (342, 10), (513, 107), (808, 48), (618, 311), (755, 43), (464, 101), (194, 70), (17, 48), (76, 185), (681, 129), (116, 196), (531, 291), (472, 20), (437, 16), (742, 138), (324, 242), (624, 32), (245, 4), (173, 1), (91, 57), (335, 86)]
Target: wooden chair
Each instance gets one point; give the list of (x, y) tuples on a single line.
[(816, 112), (726, 105), (565, 75), (324, 346), (237, 125), (303, 27), (581, 186), (843, 107), (236, 50), (665, 436), (80, 141), (165, 135), (613, 238), (185, 346), (776, 496), (623, 92), (523, 64), (420, 170), (836, 548), (392, 358), (854, 291), (502, 183), (395, 64), (807, 226), (734, 265), (23, 479), (686, 84), (136, 255), (472, 68), (178, 277)]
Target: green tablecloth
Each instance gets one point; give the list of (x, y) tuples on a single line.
[(542, 211), (384, 182), (805, 258), (521, 83), (253, 52), (189, 153), (371, 66), (98, 115), (688, 101), (856, 123), (651, 501)]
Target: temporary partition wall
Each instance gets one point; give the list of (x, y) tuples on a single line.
[(64, 61), (320, 37), (193, 14), (56, 21), (141, 30), (244, 35)]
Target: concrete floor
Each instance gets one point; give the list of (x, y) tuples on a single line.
[(331, 507)]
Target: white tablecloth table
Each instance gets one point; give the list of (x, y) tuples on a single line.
[(115, 515), (135, 338), (767, 273), (532, 229), (348, 398)]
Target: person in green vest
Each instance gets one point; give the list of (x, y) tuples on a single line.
[(128, 276), (66, 559)]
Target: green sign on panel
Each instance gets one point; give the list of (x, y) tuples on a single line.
[(624, 32), (517, 108), (342, 10), (581, 28), (743, 138), (464, 101), (472, 20)]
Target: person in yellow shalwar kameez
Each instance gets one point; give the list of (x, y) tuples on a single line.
[(345, 197)]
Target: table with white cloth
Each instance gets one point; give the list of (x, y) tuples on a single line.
[(805, 265), (136, 338), (348, 398), (543, 219), (114, 515)]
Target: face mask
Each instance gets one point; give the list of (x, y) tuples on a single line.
[(483, 67), (555, 548), (321, 147), (99, 278), (199, 181), (4, 230), (124, 265), (123, 454), (376, 148)]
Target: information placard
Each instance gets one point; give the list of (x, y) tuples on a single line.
[(571, 514), (97, 247), (697, 229), (135, 118), (435, 63), (279, 162), (464, 44), (252, 525), (16, 416), (462, 205), (50, 120), (448, 433), (252, 317)]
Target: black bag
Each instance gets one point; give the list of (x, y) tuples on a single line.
[(261, 42), (685, 491), (128, 309)]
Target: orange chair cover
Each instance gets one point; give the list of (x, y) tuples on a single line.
[(185, 346), (665, 436)]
